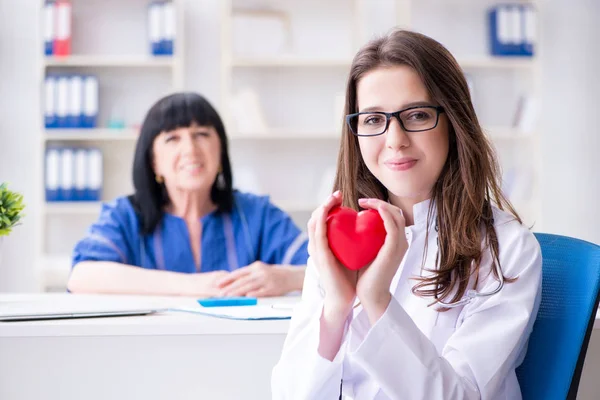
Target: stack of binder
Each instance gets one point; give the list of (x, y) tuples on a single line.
[(161, 28), (57, 28), (73, 174), (71, 101), (512, 30)]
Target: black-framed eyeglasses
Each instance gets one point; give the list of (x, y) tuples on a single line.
[(411, 119)]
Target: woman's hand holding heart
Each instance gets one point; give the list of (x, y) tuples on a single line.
[(338, 282), (374, 281)]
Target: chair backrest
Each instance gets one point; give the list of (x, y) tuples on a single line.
[(563, 326)]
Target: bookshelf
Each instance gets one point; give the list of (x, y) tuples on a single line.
[(130, 80)]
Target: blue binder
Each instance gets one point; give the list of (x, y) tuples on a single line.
[(50, 92), (168, 38), (155, 27), (94, 175), (508, 28), (66, 191), (49, 28), (529, 29), (75, 114), (52, 174), (90, 102), (62, 101), (81, 174)]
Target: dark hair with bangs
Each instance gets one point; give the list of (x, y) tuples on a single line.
[(178, 110)]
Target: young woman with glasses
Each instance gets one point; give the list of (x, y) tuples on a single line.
[(446, 308)]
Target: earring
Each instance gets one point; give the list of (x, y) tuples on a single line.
[(159, 179), (221, 181)]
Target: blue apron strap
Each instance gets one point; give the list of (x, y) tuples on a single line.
[(247, 236), (159, 255), (232, 259), (293, 248)]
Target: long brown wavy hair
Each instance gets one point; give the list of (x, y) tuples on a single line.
[(470, 182)]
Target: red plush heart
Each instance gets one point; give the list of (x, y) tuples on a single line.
[(355, 238)]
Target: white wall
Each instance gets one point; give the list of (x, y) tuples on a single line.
[(19, 131), (571, 124)]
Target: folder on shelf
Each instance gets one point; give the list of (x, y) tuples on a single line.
[(62, 101), (168, 38), (52, 174), (529, 29), (67, 181), (90, 102), (50, 91), (155, 27), (511, 30), (49, 23), (62, 41), (94, 175), (81, 174), (75, 99), (515, 29)]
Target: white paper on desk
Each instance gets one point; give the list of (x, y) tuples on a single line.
[(254, 313)]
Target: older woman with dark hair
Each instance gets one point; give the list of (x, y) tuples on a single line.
[(185, 231)]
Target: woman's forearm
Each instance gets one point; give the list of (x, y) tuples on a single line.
[(111, 277)]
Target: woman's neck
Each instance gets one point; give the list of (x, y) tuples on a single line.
[(406, 204), (191, 206)]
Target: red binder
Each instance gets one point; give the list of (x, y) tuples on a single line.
[(62, 41)]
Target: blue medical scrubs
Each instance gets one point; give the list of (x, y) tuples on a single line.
[(255, 230)]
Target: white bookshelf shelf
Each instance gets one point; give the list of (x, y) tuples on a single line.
[(289, 61), (491, 62), (99, 134), (107, 134), (479, 62), (72, 207), (110, 61), (93, 207), (285, 135)]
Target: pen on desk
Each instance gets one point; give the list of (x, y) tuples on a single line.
[(282, 306)]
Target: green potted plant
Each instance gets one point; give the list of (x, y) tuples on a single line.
[(11, 208)]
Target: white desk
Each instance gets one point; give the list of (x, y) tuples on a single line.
[(164, 356)]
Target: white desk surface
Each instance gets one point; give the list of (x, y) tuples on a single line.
[(174, 355), (164, 356), (163, 323)]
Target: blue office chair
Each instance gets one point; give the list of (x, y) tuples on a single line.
[(563, 326)]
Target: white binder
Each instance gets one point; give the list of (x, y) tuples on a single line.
[(50, 93), (49, 27), (81, 174), (168, 40), (155, 27), (94, 178), (52, 174), (62, 101), (75, 101), (66, 174), (90, 101)]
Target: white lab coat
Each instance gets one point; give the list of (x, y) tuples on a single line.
[(413, 351)]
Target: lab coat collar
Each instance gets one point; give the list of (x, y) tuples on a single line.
[(420, 211)]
